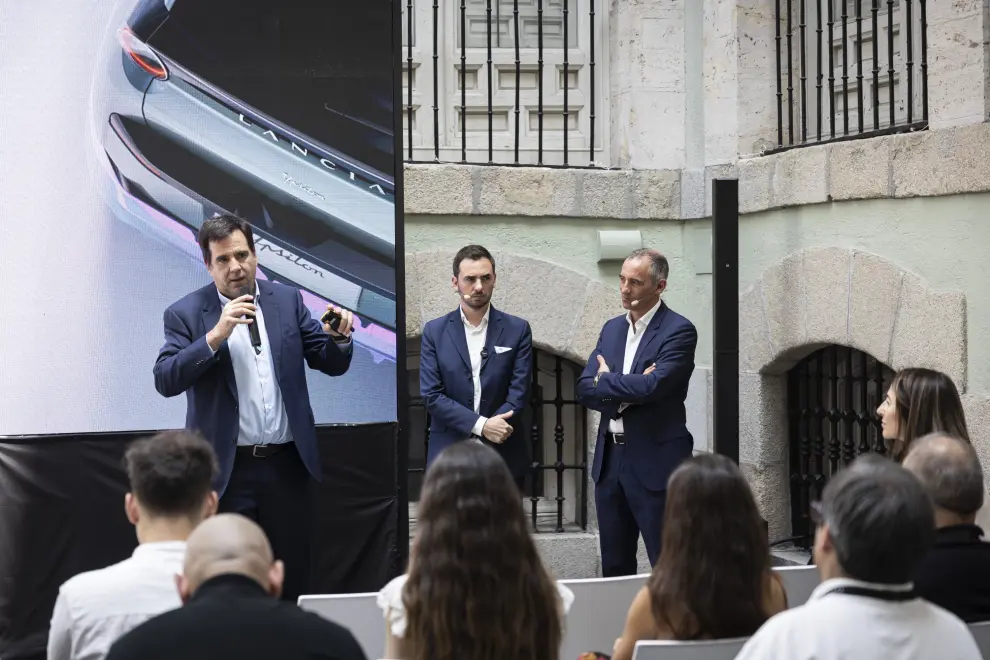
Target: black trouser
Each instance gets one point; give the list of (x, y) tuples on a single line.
[(625, 509), (276, 492)]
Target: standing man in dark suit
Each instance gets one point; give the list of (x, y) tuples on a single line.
[(637, 378), (475, 367), (246, 391), (228, 585)]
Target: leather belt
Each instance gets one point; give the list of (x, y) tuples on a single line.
[(262, 451), (616, 438)]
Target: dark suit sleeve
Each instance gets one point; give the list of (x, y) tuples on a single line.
[(441, 407), (674, 365), (321, 351), (587, 395), (183, 359), (522, 372)]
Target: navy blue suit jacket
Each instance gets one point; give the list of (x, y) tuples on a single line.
[(657, 439), (185, 364), (447, 387)]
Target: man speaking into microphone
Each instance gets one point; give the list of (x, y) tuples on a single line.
[(475, 367), (637, 378), (238, 348)]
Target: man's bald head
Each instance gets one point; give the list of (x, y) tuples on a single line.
[(950, 472), (229, 544)]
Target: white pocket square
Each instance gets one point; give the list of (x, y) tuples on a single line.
[(502, 349)]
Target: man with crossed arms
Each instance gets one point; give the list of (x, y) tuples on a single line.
[(637, 378)]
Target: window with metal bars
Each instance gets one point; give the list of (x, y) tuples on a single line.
[(850, 69), (555, 428), (832, 398), (523, 87)]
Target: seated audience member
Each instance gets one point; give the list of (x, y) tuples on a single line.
[(231, 610), (170, 478), (875, 525), (476, 587), (714, 579), (955, 574), (918, 402)]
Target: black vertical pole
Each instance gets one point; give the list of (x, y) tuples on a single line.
[(402, 389), (725, 317)]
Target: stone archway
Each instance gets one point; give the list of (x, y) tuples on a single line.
[(565, 309), (821, 296)]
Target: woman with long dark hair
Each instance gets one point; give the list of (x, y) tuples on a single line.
[(918, 402), (714, 578), (476, 587)]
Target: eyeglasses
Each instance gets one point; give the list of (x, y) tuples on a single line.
[(815, 511)]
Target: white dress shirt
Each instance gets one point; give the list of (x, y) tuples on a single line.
[(260, 409), (634, 335), (836, 626), (476, 336), (95, 608)]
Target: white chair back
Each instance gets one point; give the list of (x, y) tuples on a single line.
[(716, 649), (598, 615), (799, 582), (981, 633), (359, 613)]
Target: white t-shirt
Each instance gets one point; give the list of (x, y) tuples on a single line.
[(95, 608), (836, 626), (390, 602)]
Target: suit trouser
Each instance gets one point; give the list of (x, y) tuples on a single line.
[(277, 493), (625, 509)]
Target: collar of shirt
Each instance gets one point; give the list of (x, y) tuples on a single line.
[(484, 319), (224, 299), (645, 319), (828, 585), (959, 535), (159, 548)]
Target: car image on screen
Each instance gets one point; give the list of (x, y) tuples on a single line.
[(276, 110)]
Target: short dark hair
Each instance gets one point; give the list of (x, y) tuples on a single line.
[(949, 470), (471, 253), (171, 473), (219, 227), (659, 268), (880, 520)]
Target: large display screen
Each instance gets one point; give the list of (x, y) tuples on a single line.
[(123, 125)]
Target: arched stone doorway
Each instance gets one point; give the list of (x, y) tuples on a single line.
[(816, 298)]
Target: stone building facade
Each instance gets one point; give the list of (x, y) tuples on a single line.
[(875, 243)]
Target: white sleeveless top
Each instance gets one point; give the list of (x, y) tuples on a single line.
[(390, 602)]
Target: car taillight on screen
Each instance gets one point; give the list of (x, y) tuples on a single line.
[(142, 54)]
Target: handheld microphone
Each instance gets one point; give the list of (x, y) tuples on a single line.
[(253, 326)]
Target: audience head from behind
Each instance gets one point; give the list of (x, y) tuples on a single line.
[(476, 587), (950, 472), (171, 476), (712, 579), (875, 523), (230, 586), (169, 495), (229, 544), (918, 402)]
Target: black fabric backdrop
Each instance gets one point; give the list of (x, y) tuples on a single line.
[(61, 513)]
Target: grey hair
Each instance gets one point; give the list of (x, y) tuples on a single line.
[(659, 268), (949, 470), (880, 521)]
